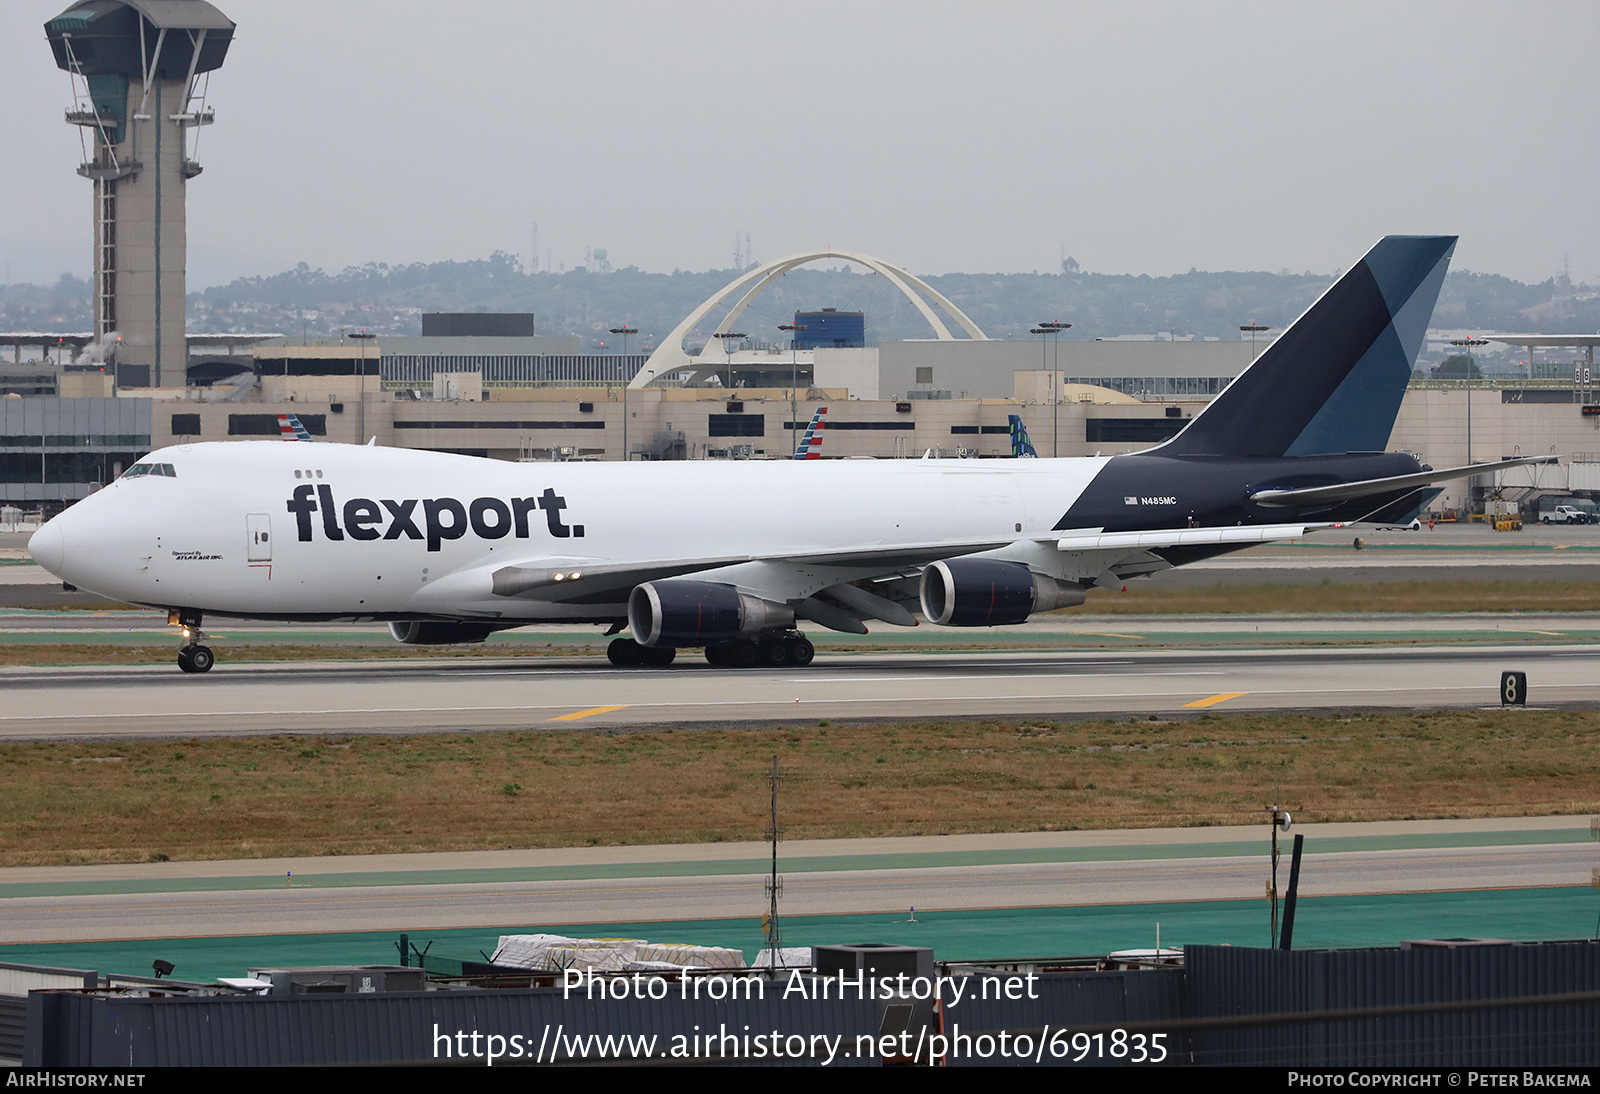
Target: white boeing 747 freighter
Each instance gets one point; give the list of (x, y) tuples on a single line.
[(732, 556)]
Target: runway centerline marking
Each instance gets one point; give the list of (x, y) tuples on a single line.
[(1213, 700), (575, 715)]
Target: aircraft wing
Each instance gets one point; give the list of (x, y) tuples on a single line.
[(1344, 491), (818, 582), (790, 576)]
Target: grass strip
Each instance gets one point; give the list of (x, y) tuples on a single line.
[(1326, 597), (78, 802)]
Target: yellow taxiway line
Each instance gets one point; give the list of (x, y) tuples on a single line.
[(1213, 700), (575, 715)]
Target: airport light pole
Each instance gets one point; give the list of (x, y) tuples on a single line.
[(1055, 386), (1468, 343), (363, 337), (728, 339), (625, 330), (794, 373), (1253, 329), (1041, 330)]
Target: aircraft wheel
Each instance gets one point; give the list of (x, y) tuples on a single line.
[(746, 654), (717, 654), (801, 651), (775, 654), (658, 657), (200, 659), (625, 653), (184, 662)]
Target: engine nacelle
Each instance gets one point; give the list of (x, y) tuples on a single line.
[(679, 612), (989, 592), (418, 633)]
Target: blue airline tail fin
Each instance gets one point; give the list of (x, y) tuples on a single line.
[(810, 447), (1332, 382), (290, 429), (1020, 444)]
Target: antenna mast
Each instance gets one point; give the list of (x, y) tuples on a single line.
[(769, 923)]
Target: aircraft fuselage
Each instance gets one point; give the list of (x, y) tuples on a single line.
[(267, 530)]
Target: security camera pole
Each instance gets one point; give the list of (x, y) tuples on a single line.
[(1280, 821)]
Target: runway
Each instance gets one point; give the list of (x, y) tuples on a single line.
[(1056, 668), (491, 889), (389, 697)]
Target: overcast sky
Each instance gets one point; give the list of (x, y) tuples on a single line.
[(961, 136)]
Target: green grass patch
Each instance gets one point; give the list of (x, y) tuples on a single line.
[(136, 801)]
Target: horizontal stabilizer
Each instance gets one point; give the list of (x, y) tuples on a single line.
[(1092, 539), (1344, 491)]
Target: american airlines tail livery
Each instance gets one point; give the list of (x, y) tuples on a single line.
[(731, 557)]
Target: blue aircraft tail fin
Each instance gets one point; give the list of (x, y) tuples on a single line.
[(1332, 382), (810, 446), (290, 429), (1020, 444)]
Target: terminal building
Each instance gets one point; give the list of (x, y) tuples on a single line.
[(489, 385), (477, 395)]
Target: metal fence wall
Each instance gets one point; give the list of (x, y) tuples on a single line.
[(1418, 1007), (1069, 1002), (1430, 982), (72, 1030)]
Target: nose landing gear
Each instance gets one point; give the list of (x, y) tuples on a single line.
[(196, 658), (193, 655)]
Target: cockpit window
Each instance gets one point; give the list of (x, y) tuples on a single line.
[(139, 469)]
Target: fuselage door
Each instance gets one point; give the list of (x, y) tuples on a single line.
[(260, 528)]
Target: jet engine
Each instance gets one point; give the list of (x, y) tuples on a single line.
[(415, 633), (679, 612), (989, 592)]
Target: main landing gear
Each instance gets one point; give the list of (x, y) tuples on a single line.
[(625, 653), (791, 650), (193, 655)]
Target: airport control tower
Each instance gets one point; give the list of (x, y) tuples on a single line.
[(139, 71)]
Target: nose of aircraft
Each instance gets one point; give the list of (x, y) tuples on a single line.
[(48, 547)]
